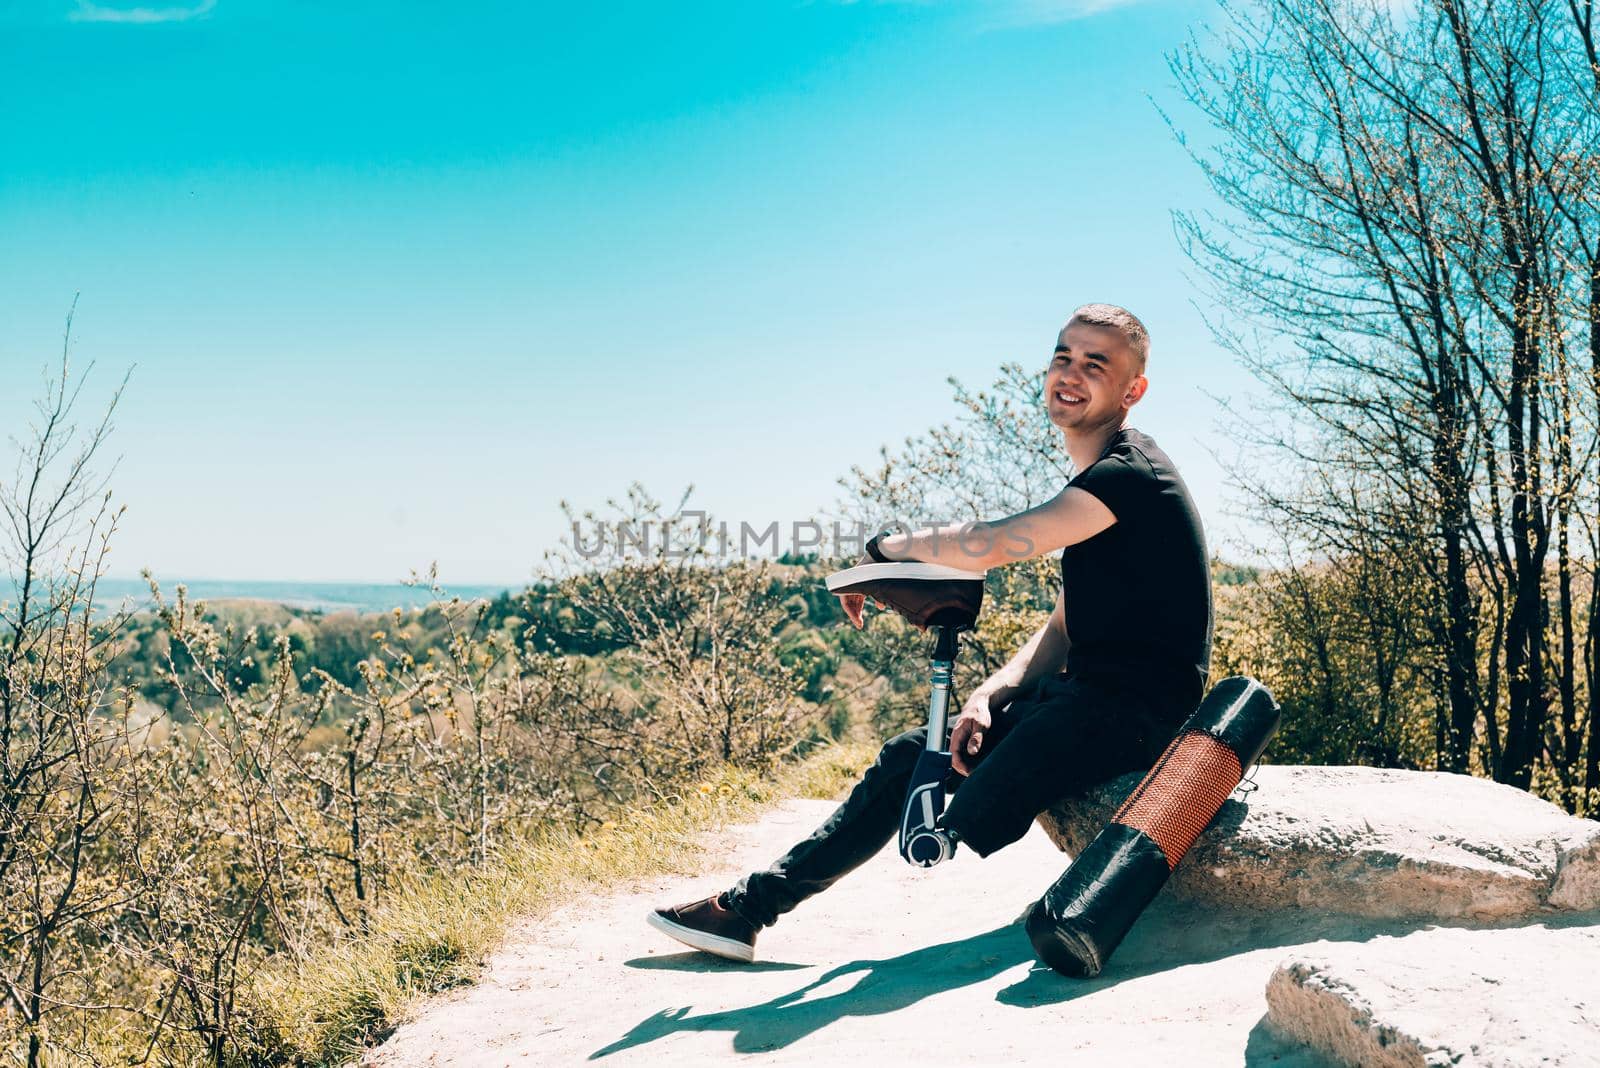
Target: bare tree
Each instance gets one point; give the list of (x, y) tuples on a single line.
[(1397, 181), (63, 769)]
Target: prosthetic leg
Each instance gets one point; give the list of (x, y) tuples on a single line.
[(1083, 917), (946, 600), (923, 841)]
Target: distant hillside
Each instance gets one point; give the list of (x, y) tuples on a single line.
[(315, 596)]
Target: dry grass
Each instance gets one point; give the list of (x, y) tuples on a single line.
[(436, 931)]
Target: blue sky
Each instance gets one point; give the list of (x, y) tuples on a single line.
[(398, 277)]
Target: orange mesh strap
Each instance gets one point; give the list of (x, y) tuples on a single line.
[(1182, 792)]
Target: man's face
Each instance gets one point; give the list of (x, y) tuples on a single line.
[(1092, 378)]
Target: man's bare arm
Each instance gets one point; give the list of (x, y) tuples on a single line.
[(1071, 516), (1043, 654)]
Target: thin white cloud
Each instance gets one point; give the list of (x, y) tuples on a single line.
[(1007, 14), (1049, 12), (87, 11)]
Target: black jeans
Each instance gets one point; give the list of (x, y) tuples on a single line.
[(1064, 735)]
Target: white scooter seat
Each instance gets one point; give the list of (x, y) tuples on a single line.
[(925, 594)]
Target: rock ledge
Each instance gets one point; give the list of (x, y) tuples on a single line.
[(1373, 842), (1508, 997)]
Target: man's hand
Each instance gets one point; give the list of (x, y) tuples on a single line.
[(966, 737), (855, 603)]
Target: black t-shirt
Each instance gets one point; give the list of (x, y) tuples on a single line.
[(1138, 594)]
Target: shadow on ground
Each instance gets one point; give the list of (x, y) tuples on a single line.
[(694, 961), (1172, 934), (879, 987)]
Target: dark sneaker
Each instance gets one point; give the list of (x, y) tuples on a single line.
[(710, 926)]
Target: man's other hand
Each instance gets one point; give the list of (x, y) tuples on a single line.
[(854, 604), (966, 737)]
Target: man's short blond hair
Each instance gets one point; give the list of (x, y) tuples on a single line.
[(1124, 320)]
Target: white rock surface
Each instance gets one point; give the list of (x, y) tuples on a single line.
[(1503, 998), (1374, 842)]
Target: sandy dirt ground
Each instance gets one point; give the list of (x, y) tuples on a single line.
[(893, 965)]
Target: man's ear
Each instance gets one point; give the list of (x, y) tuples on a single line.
[(1135, 390)]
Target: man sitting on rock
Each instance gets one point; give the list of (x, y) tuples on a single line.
[(1098, 691)]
